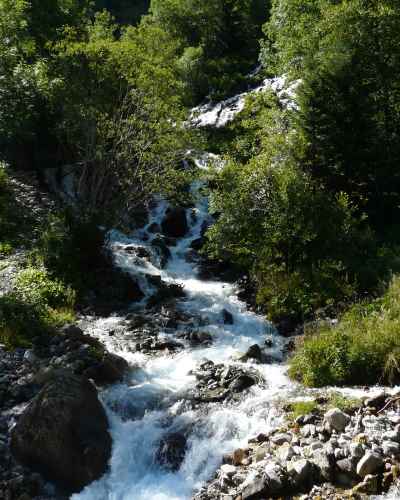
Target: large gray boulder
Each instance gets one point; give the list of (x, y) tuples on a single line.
[(63, 433), (371, 463), (336, 419)]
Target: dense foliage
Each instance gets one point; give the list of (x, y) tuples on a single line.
[(317, 180)]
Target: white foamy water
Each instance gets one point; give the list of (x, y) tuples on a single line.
[(220, 114), (151, 403)]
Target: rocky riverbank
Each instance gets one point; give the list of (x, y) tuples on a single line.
[(45, 398), (334, 455)]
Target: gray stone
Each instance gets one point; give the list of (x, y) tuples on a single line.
[(300, 471), (63, 433), (280, 439), (30, 357), (371, 463), (393, 435), (254, 488), (336, 419), (356, 450), (274, 478), (324, 463), (285, 453), (391, 448), (346, 465)]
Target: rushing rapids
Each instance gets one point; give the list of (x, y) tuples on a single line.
[(156, 400), (169, 438)]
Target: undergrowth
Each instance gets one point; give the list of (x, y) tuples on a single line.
[(364, 348)]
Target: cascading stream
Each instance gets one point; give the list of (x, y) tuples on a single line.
[(157, 398), (153, 402)]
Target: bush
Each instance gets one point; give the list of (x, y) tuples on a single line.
[(35, 286), (20, 322), (364, 348), (71, 250)]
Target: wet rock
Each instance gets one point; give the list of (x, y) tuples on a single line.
[(371, 463), (377, 401), (166, 292), (175, 222), (63, 433), (254, 352), (110, 369), (161, 246), (242, 383), (171, 451), (30, 357), (238, 456), (199, 338), (227, 317), (228, 470), (336, 419), (197, 244)]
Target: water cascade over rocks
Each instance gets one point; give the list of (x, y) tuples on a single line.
[(206, 373), (192, 394), (197, 387)]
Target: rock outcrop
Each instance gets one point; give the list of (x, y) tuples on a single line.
[(63, 433)]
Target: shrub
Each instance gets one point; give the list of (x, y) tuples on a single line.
[(35, 286), (71, 250), (364, 348), (20, 321)]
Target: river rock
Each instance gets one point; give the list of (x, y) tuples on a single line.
[(171, 451), (393, 435), (280, 439), (377, 401), (390, 448), (285, 452), (324, 463), (253, 352), (253, 488), (301, 472), (175, 222), (371, 463), (274, 478), (110, 369), (227, 317), (242, 383), (336, 419), (63, 433)]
